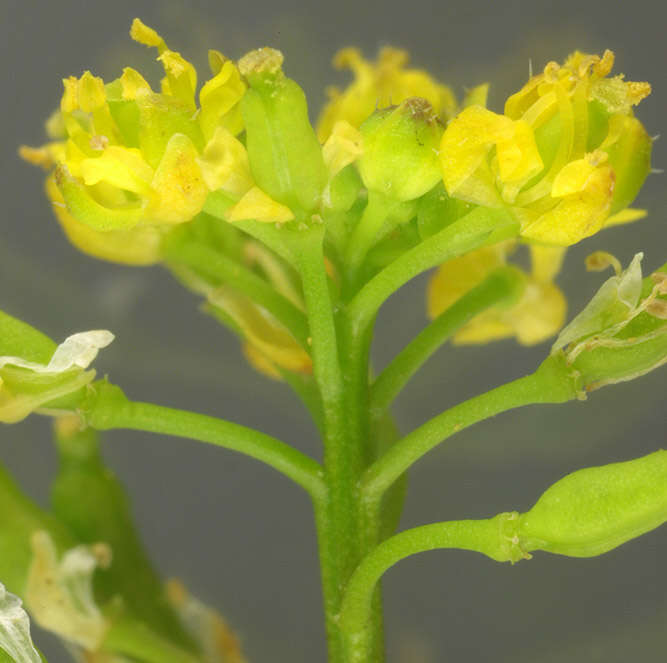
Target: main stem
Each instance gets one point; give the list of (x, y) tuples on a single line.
[(340, 366)]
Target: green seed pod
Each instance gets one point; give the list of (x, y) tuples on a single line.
[(594, 510), (34, 373), (400, 150), (90, 500), (20, 518), (285, 156), (622, 333)]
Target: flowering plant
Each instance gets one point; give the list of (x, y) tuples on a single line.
[(295, 236)]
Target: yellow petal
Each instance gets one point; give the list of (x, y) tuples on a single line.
[(122, 167), (181, 78), (216, 640), (219, 99), (178, 184), (256, 205), (467, 141), (476, 96), (224, 164), (343, 146), (59, 593), (574, 176), (262, 331), (91, 93), (579, 214), (379, 84), (260, 362), (133, 84), (628, 215), (518, 157), (539, 314), (456, 277), (546, 261), (141, 33), (70, 99)]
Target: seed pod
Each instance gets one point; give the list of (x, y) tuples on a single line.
[(594, 510), (20, 517), (90, 500)]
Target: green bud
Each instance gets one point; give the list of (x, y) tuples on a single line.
[(400, 150), (622, 333), (285, 155), (594, 510), (105, 515), (20, 517)]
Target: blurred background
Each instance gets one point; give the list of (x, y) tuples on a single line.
[(238, 534)]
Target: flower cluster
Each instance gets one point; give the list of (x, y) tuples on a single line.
[(394, 158)]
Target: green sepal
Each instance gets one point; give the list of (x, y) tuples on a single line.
[(630, 157), (159, 119), (594, 510), (437, 209), (343, 190), (84, 208), (285, 156), (19, 339)]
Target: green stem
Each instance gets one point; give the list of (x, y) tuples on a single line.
[(132, 638), (483, 536), (478, 228), (553, 382), (108, 409), (365, 233), (214, 265), (335, 515), (501, 286)]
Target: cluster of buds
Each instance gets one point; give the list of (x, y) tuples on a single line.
[(393, 159)]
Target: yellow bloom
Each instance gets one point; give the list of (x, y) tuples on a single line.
[(567, 156), (377, 85), (539, 313), (129, 159)]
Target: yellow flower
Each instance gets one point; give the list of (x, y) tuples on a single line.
[(127, 158), (379, 84), (539, 313), (567, 156)]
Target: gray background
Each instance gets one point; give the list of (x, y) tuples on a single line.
[(239, 534)]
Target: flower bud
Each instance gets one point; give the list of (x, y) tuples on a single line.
[(35, 372), (379, 84), (285, 155), (594, 510), (400, 150)]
